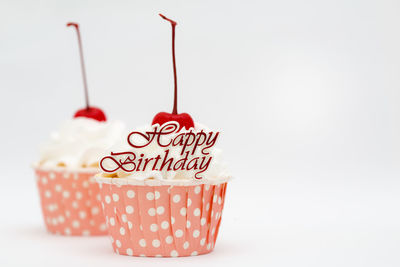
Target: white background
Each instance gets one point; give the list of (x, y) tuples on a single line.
[(306, 94)]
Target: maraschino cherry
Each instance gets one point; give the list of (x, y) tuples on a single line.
[(88, 111), (183, 119)]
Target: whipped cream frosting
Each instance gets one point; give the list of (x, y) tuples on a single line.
[(80, 142), (216, 170)]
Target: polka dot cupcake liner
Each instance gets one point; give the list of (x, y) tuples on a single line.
[(163, 220), (70, 202)]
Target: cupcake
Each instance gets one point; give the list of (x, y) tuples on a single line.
[(69, 196), (163, 188), (170, 207)]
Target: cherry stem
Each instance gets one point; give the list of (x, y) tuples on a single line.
[(173, 24), (76, 25)]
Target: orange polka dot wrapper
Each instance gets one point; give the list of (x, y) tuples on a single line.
[(70, 202), (162, 220)]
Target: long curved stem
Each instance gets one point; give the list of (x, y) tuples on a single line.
[(76, 25), (173, 24)]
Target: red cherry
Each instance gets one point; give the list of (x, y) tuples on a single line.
[(88, 112), (183, 119), (92, 113)]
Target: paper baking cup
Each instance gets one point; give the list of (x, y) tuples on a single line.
[(70, 201), (162, 220)]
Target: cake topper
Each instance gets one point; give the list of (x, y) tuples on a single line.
[(185, 151), (88, 111), (184, 119)]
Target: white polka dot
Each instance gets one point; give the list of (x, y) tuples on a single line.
[(61, 219), (75, 224), (207, 187), (208, 246), (197, 189), (58, 188), (85, 184), (169, 239), (158, 256), (44, 180), (75, 204), (152, 211), (78, 195), (142, 255), (141, 227), (122, 231), (179, 233), (213, 231), (219, 200), (153, 227), (115, 197), (52, 175), (186, 245), (67, 231), (189, 202), (183, 211), (156, 243), (130, 193), (207, 206), (124, 218), (66, 175), (174, 253), (82, 214), (160, 210), (112, 221), (129, 251), (118, 243), (130, 225), (196, 212), (129, 209), (142, 243), (196, 233), (103, 227), (188, 224), (50, 207), (47, 194), (176, 198), (107, 199), (164, 225), (172, 220), (215, 197), (157, 195), (95, 210), (86, 232), (194, 253), (202, 241), (98, 197), (203, 221), (150, 196), (54, 221)]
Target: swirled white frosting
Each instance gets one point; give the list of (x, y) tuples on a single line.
[(80, 142), (215, 171)]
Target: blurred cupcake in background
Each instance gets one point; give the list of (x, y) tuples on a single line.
[(68, 161), (68, 193)]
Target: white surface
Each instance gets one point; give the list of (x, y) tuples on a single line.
[(306, 94)]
